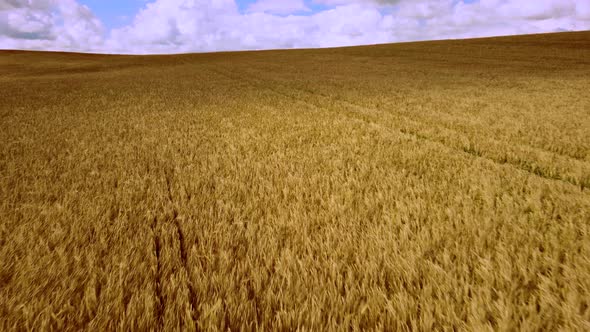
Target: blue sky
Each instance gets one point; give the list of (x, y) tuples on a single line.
[(114, 13), (118, 13)]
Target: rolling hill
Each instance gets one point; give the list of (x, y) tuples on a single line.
[(413, 186)]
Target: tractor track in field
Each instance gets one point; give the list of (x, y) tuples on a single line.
[(354, 110), (160, 305), (182, 249)]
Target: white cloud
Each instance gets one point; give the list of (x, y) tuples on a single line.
[(425, 9), (48, 25), (171, 26), (184, 26), (280, 7), (583, 10), (348, 2)]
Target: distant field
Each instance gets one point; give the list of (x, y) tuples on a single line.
[(414, 186)]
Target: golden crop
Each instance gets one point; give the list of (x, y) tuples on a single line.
[(418, 186)]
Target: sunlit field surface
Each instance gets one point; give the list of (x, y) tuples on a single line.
[(416, 186)]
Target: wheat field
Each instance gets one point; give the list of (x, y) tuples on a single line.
[(406, 187)]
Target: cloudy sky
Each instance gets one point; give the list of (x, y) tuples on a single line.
[(173, 26)]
